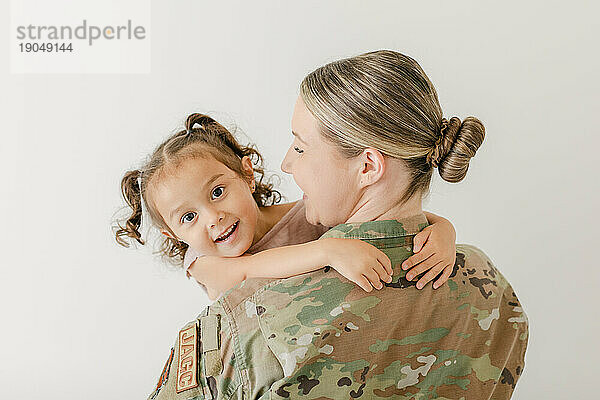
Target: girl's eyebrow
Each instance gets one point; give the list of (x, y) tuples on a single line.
[(208, 182), (211, 180)]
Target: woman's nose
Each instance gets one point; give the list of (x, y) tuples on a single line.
[(286, 164)]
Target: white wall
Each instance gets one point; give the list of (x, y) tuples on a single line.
[(83, 317)]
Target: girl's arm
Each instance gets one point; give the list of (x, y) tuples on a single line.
[(360, 262), (357, 260), (435, 251)]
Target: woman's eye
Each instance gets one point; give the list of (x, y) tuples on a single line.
[(188, 217), (217, 192), (297, 149)]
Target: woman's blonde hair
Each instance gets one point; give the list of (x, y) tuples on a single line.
[(202, 136), (384, 100)]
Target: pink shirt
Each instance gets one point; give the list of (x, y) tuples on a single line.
[(292, 228)]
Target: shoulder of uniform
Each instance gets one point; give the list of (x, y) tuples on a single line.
[(472, 253)]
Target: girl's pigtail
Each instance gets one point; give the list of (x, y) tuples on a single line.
[(201, 119), (130, 188)]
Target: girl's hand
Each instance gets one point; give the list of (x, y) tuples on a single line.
[(435, 250), (213, 294), (360, 262), (216, 280)]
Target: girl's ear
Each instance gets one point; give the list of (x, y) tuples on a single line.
[(249, 170), (247, 165)]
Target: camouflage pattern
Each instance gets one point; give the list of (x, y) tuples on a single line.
[(320, 336), (246, 367)]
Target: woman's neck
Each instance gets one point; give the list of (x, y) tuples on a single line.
[(399, 211), (381, 200), (379, 207)]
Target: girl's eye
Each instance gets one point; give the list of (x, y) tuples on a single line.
[(297, 149), (188, 217), (217, 192)]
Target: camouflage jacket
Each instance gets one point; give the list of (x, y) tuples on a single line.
[(319, 336)]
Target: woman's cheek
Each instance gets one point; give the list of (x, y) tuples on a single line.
[(309, 176)]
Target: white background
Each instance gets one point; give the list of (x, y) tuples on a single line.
[(85, 318)]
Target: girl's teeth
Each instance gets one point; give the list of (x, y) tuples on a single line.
[(227, 233)]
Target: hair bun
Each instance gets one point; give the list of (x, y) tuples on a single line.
[(458, 145), (448, 132)]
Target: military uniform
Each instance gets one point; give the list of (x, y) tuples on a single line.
[(320, 336)]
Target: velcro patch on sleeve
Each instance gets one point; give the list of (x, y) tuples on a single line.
[(210, 333), (187, 365)]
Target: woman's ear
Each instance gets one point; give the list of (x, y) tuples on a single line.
[(372, 166)]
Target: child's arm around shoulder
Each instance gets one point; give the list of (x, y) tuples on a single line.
[(357, 260)]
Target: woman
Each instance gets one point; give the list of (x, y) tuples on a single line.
[(368, 133)]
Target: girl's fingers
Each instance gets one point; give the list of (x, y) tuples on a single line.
[(417, 259), (386, 262), (422, 267), (432, 273), (442, 279), (364, 283), (381, 272), (373, 277), (420, 239)]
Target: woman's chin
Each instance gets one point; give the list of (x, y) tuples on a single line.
[(324, 218), (311, 218)]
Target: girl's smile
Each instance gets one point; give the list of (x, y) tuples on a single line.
[(229, 235)]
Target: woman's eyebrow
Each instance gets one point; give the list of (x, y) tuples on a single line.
[(299, 138)]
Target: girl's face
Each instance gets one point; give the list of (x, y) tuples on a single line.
[(328, 180), (208, 206)]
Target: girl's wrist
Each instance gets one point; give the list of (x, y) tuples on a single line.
[(324, 250), (244, 272), (244, 269)]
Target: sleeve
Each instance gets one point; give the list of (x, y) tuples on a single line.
[(201, 363), (180, 375)]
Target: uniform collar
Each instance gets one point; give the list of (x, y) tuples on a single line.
[(379, 229)]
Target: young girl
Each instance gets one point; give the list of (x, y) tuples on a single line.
[(204, 194)]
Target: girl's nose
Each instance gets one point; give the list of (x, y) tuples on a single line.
[(214, 218)]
